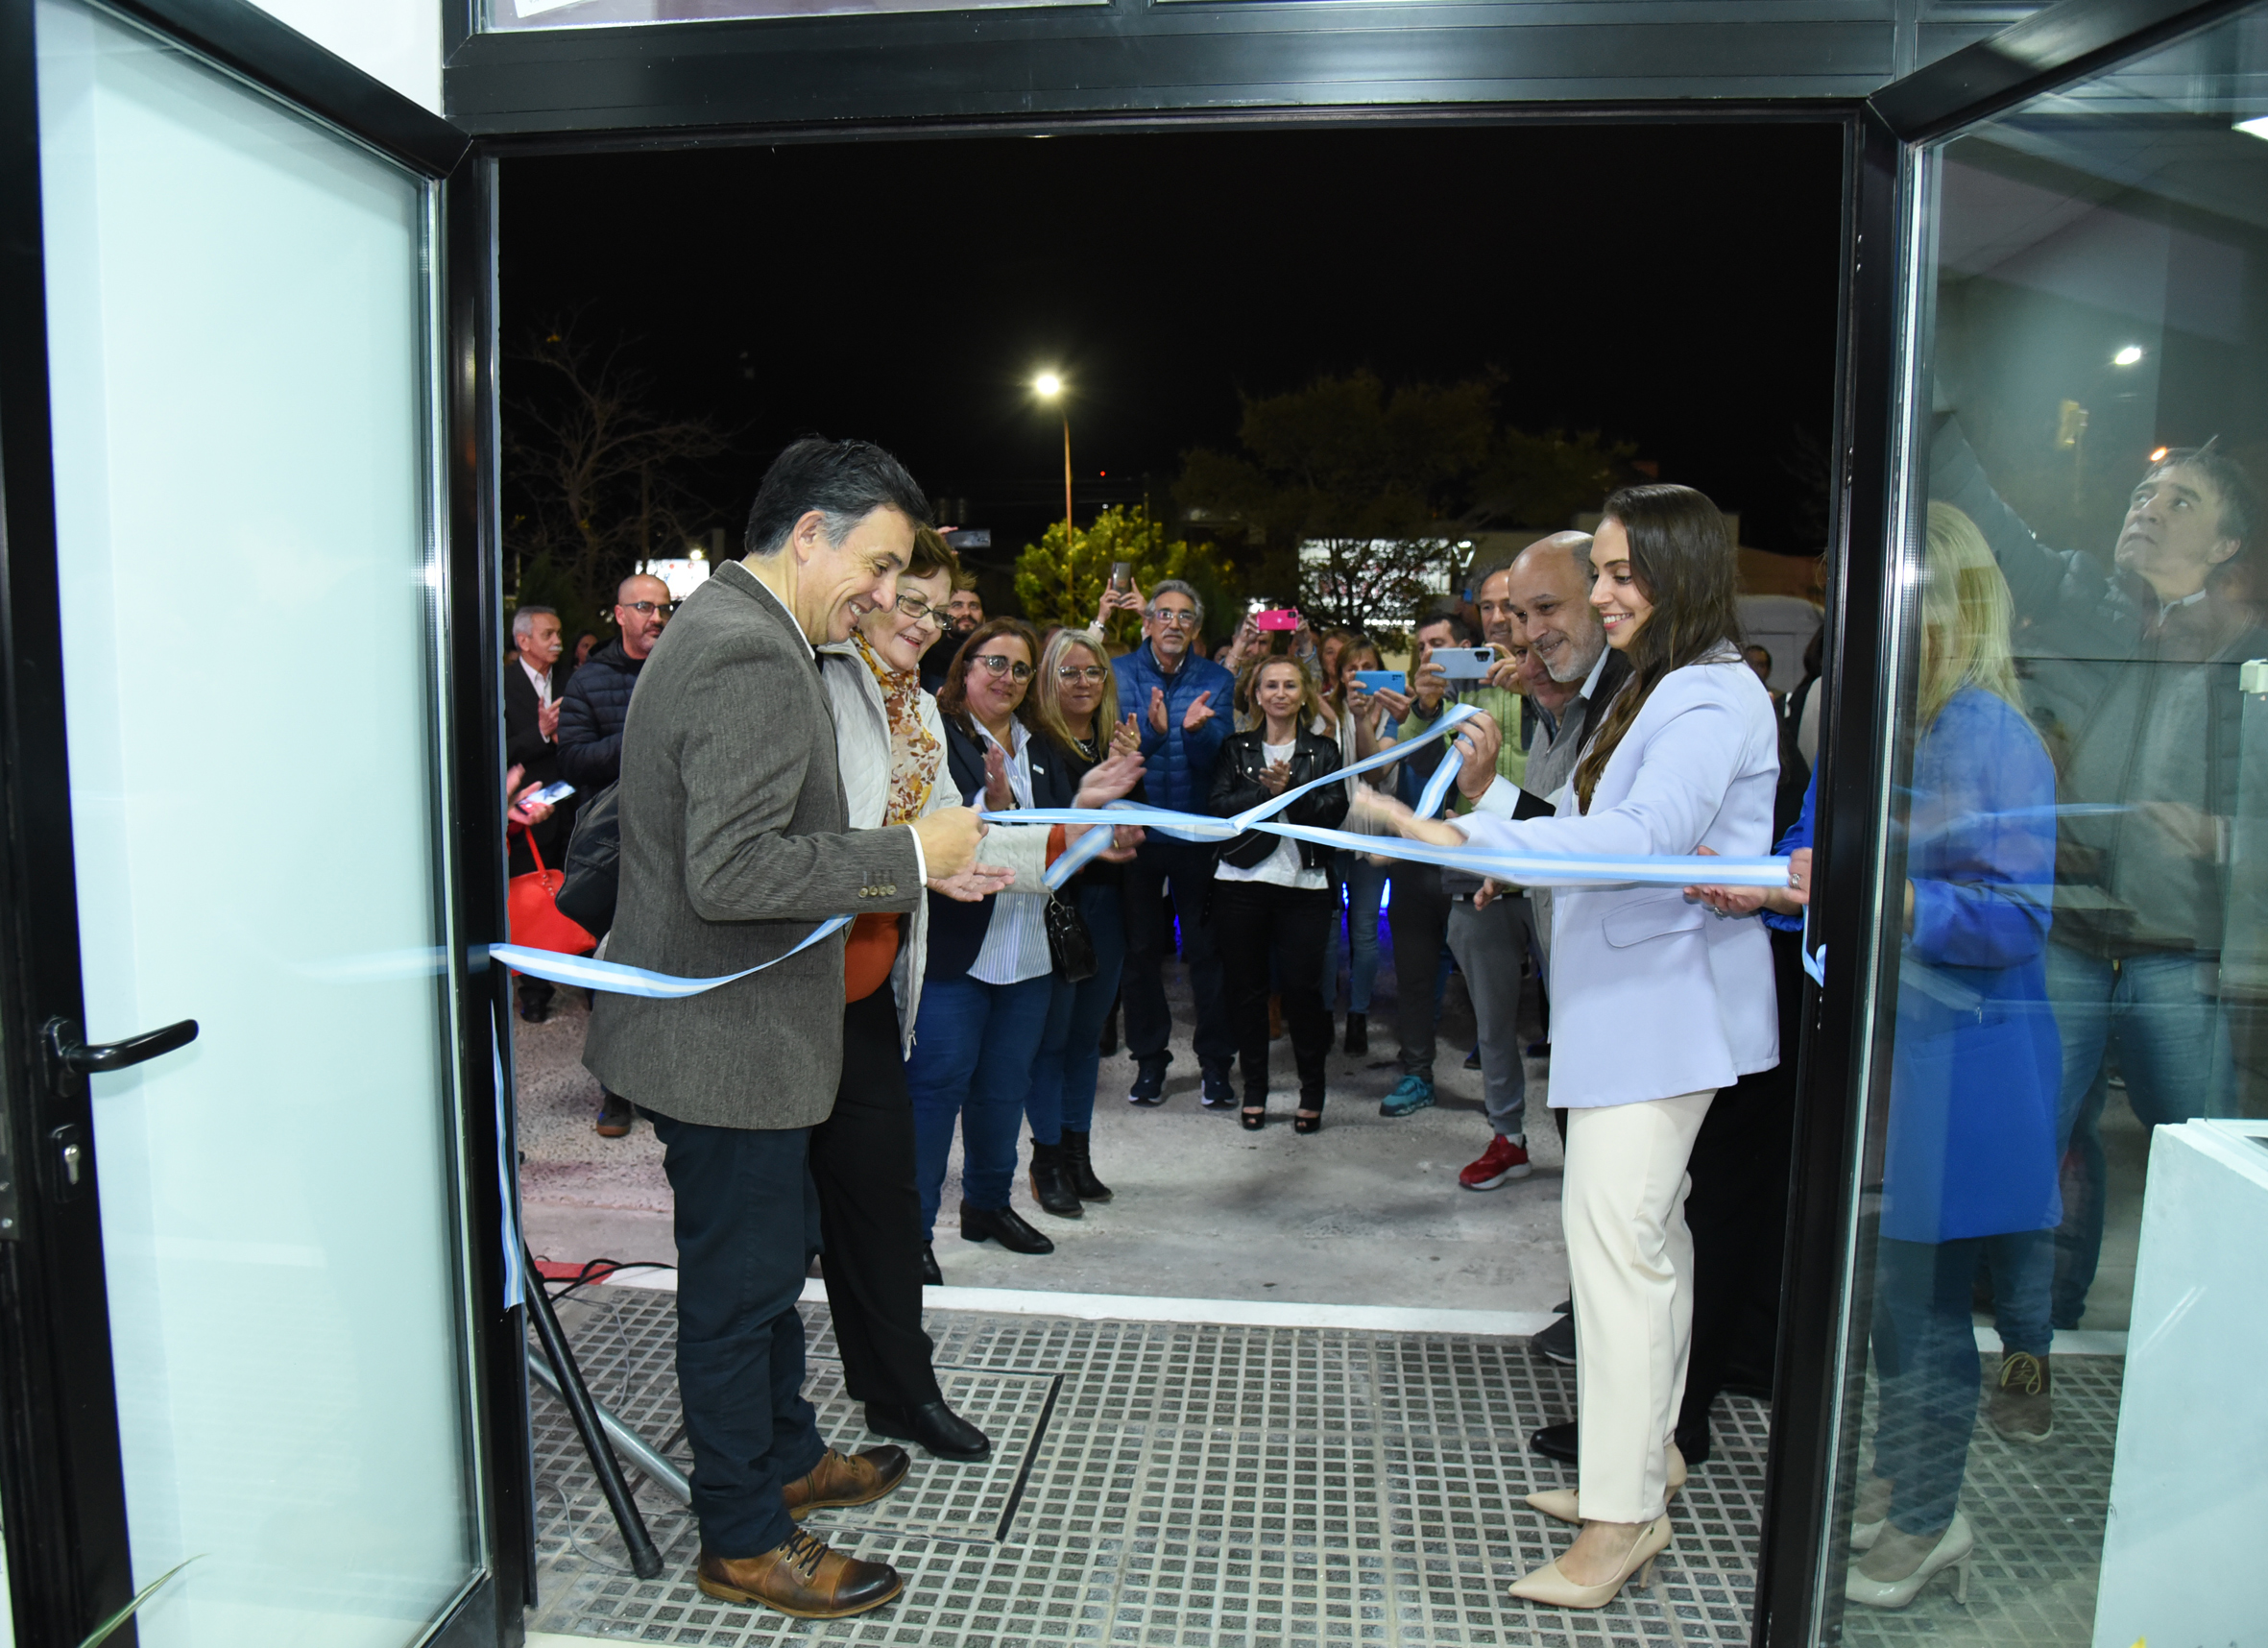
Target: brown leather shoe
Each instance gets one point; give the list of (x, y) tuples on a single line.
[(804, 1578), (846, 1479)]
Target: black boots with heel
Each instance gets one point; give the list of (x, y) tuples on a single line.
[(1051, 1186), (1078, 1168)]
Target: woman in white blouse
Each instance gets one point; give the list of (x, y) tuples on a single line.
[(988, 977), (1654, 1005), (1271, 895)]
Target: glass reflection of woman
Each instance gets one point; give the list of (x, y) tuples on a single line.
[(1969, 1165), (1655, 1007)]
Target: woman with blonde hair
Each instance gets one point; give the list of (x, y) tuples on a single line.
[(1271, 895), (1654, 1007), (1971, 1156), (1075, 707)]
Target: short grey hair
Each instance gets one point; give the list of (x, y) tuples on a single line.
[(1179, 586), (523, 619)]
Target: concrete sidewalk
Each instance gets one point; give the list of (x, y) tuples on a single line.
[(1368, 1211)]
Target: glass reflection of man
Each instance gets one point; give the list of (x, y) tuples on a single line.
[(2131, 680)]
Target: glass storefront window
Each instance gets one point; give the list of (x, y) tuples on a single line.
[(516, 15), (2049, 1429)]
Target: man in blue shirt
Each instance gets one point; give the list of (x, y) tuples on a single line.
[(1183, 705)]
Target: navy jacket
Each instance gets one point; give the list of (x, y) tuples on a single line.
[(1180, 763), (592, 715), (958, 930)]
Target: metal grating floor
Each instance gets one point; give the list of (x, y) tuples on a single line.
[(1227, 1487)]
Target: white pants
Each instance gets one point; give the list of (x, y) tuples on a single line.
[(1623, 1211)]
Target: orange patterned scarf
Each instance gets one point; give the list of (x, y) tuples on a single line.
[(915, 752)]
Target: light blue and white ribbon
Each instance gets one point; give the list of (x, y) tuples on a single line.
[(589, 973), (1520, 869)]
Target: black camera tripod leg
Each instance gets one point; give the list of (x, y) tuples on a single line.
[(644, 1559)]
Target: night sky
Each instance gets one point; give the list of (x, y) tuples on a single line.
[(1672, 285)]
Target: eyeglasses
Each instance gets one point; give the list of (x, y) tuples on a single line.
[(915, 608), (1091, 673), (650, 608), (1000, 664), (1173, 617)]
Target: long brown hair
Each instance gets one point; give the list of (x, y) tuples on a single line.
[(952, 698), (1682, 557)]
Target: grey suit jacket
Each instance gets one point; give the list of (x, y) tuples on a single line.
[(735, 842)]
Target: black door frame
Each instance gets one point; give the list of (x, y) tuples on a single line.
[(1826, 1301), (685, 84), (61, 1489)]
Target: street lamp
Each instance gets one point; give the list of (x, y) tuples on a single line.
[(1048, 386)]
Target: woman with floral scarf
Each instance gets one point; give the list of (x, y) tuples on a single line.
[(890, 747)]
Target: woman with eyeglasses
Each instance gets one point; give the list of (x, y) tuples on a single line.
[(1271, 895), (1075, 703), (891, 750), (989, 975), (1655, 1006)]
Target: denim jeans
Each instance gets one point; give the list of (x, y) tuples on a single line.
[(973, 1049), (2171, 1037), (1064, 1074), (746, 1224), (1365, 889), (1926, 1359)]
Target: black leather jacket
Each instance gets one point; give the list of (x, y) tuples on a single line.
[(1238, 785)]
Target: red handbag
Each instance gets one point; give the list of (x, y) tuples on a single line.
[(531, 908)]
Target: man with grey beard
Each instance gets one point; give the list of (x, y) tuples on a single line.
[(1544, 599)]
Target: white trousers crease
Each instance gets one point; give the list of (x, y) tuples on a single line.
[(1630, 1258)]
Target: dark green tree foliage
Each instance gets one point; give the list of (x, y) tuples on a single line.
[(1054, 587), (1362, 495)]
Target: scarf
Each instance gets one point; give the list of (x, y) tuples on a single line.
[(915, 752)]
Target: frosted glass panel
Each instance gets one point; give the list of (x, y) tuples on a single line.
[(238, 331)]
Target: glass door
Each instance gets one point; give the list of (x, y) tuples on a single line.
[(242, 369), (2051, 1409)]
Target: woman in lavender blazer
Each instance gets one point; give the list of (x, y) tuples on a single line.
[(1655, 1003)]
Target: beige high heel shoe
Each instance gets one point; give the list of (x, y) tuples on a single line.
[(1548, 1584), (1954, 1549), (1563, 1503)]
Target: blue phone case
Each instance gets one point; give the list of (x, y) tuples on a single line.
[(1373, 680)]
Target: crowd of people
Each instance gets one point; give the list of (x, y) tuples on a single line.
[(829, 717)]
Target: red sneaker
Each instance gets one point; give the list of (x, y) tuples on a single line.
[(1501, 1160)]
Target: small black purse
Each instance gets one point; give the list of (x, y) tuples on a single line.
[(1069, 942)]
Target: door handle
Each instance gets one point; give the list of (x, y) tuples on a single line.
[(69, 1059)]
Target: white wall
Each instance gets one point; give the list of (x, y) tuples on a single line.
[(398, 42)]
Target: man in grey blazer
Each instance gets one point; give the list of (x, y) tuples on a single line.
[(736, 843)]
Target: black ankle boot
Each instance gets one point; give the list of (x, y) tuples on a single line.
[(1079, 1168), (1004, 1225), (1358, 1033), (1050, 1188)]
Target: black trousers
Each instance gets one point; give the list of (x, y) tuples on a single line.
[(1257, 923), (1188, 865), (1418, 918), (1737, 1212), (870, 1214), (743, 1227)]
